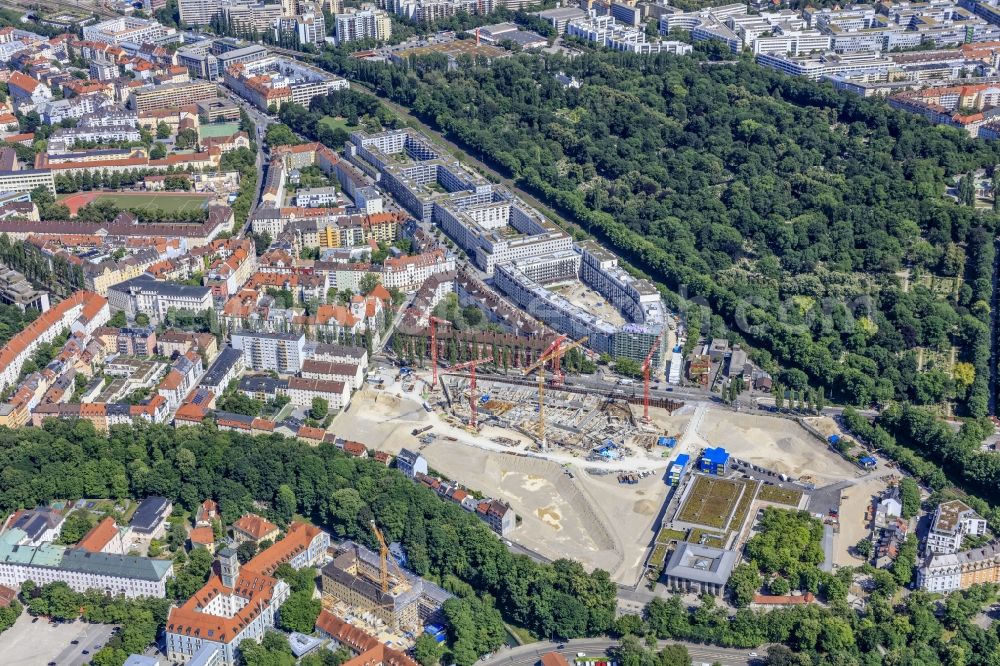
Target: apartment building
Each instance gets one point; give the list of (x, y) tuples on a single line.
[(606, 31), (27, 91), (171, 95), (366, 22), (307, 28), (407, 273), (501, 518), (277, 81), (825, 65), (434, 10), (280, 352), (247, 17), (228, 365), (84, 311), (136, 341), (952, 521), (301, 391), (197, 12), (321, 351), (352, 374)]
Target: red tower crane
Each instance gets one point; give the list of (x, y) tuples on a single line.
[(434, 347), (471, 365), (645, 376), (553, 348)]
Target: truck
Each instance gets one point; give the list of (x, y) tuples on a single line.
[(420, 431), (427, 407), (626, 382)]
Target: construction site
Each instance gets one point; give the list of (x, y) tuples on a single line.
[(601, 424), (372, 592), (595, 469), (581, 421)]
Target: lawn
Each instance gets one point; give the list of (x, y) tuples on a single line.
[(333, 122), (711, 539), (658, 557), (667, 535), (164, 201), (780, 495), (710, 502)]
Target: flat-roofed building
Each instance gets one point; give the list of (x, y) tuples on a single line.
[(280, 352), (171, 94)]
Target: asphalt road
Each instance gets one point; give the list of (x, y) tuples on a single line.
[(528, 655), (90, 638), (261, 120)]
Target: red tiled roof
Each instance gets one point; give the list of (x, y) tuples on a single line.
[(190, 412), (254, 525), (370, 651), (297, 540), (255, 582), (554, 659), (99, 536), (91, 302), (23, 81), (355, 448), (307, 432), (202, 535)]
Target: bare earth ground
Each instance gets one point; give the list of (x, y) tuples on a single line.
[(853, 528), (591, 518), (778, 444), (825, 425), (594, 518)]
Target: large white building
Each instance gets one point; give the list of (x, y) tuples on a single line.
[(608, 32), (156, 298), (408, 273), (131, 30), (952, 521), (82, 570), (308, 28), (301, 391), (240, 602), (197, 12), (280, 352)]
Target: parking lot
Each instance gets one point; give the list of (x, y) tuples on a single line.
[(30, 643)]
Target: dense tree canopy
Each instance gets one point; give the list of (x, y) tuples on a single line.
[(813, 221), (443, 541)]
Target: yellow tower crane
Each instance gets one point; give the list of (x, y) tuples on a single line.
[(554, 350), (385, 559)]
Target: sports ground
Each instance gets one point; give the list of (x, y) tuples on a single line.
[(165, 201)]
